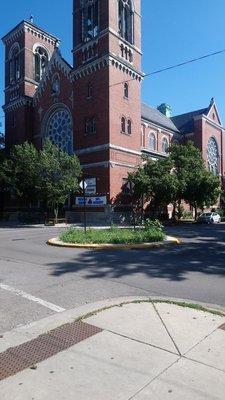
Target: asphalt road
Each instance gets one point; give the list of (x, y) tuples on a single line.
[(37, 280)]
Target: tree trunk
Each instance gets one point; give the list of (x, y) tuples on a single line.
[(56, 212), (174, 212), (196, 211)]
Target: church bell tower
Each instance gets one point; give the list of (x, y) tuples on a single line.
[(28, 50), (107, 85)]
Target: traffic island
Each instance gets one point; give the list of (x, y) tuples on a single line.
[(168, 240)]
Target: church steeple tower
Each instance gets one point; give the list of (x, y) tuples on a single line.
[(28, 49), (107, 56)]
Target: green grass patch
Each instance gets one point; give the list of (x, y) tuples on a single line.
[(112, 236)]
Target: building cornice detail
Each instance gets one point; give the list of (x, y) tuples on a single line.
[(102, 34), (167, 130), (107, 146), (109, 164), (213, 123), (25, 26), (104, 62), (14, 105)]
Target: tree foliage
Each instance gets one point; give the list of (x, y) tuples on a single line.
[(181, 176), (49, 175)]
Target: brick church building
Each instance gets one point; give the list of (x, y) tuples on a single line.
[(93, 108)]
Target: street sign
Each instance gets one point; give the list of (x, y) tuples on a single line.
[(91, 186), (83, 185), (91, 201)]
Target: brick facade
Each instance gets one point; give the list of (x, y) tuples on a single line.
[(92, 95)]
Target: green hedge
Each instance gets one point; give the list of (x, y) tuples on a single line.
[(114, 235)]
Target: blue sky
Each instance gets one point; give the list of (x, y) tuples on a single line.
[(172, 31)]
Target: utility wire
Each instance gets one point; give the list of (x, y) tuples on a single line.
[(159, 71)]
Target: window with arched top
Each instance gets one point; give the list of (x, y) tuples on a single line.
[(90, 19), (40, 62), (56, 84), (14, 64), (123, 125), (126, 90), (126, 20), (89, 90), (213, 156), (165, 145), (59, 128), (152, 141), (129, 127)]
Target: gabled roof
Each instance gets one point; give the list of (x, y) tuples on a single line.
[(155, 116), (56, 61), (185, 122)]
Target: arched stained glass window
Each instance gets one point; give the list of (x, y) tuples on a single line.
[(40, 63), (59, 129), (152, 141), (165, 145), (213, 156), (126, 17)]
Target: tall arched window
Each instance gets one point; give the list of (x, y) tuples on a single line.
[(165, 145), (213, 156), (152, 141), (126, 20), (129, 127), (123, 125), (40, 62), (14, 64), (90, 19), (126, 90), (59, 129)]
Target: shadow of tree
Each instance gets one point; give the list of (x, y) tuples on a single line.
[(203, 250)]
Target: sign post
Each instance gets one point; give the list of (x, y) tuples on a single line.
[(130, 189), (83, 186)]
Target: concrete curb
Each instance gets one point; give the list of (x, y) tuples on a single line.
[(170, 240), (34, 329)]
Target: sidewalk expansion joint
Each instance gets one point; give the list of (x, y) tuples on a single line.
[(142, 342), (167, 330), (26, 355), (153, 379)]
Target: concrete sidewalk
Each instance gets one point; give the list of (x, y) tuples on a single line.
[(139, 350)]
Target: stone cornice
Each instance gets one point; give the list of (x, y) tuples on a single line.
[(103, 33), (102, 62), (16, 104), (34, 30), (107, 146), (154, 125)]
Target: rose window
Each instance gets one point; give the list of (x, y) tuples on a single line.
[(213, 156), (59, 130)]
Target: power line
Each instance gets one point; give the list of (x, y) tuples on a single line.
[(159, 71)]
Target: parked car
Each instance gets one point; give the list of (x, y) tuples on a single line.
[(209, 218)]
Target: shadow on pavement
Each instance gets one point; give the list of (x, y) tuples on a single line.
[(203, 250)]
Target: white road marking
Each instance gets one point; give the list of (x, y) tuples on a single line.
[(27, 296)]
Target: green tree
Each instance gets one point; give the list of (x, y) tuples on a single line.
[(19, 172), (49, 175), (187, 165), (202, 190), (58, 176), (156, 182)]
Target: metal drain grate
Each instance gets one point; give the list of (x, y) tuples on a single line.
[(18, 358), (222, 327)]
